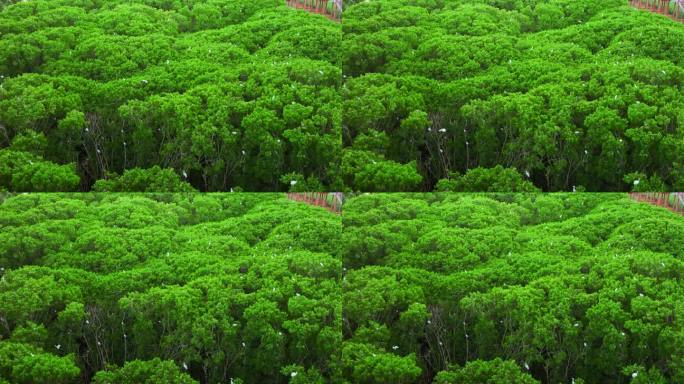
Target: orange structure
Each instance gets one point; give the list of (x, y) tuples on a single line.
[(674, 9), (674, 201), (331, 201)]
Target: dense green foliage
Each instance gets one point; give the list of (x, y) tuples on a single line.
[(223, 93), (405, 288), (570, 93), (511, 288), (143, 180), (497, 179), (127, 288), (23, 169), (252, 95)]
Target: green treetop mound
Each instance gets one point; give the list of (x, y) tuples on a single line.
[(168, 288), (511, 288), (569, 93), (225, 94)]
